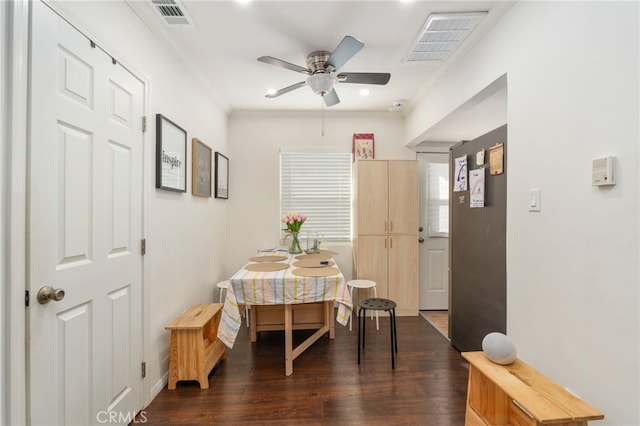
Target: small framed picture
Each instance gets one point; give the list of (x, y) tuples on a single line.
[(171, 155), (363, 146), (222, 176), (200, 169)]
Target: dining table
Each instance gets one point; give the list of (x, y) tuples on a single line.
[(287, 292)]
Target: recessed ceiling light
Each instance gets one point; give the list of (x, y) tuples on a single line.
[(364, 92), (243, 1), (271, 91)]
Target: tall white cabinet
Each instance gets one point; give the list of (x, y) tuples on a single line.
[(385, 239)]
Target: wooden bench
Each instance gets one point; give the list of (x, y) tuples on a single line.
[(517, 394), (195, 348)]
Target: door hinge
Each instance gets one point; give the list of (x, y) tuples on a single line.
[(144, 369), (26, 298), (143, 246), (144, 124)]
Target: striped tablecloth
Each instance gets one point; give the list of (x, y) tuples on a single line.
[(278, 288)]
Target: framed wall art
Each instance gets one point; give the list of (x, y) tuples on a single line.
[(362, 148), (200, 168), (171, 155), (222, 176)]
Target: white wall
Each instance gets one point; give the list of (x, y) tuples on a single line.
[(4, 220), (186, 235), (573, 276), (255, 140)]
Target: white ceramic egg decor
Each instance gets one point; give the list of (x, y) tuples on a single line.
[(499, 348)]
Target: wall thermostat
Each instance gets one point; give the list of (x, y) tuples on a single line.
[(602, 170)]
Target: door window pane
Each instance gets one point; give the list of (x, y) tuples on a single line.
[(438, 199)]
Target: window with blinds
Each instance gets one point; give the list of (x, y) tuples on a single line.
[(438, 199), (318, 184)]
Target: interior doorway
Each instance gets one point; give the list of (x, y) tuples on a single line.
[(434, 238), (85, 323)]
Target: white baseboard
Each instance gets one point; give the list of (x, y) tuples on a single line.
[(157, 388)]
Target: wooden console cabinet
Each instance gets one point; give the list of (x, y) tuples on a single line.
[(195, 348), (516, 394)]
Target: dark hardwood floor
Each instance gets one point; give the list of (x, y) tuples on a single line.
[(427, 387)]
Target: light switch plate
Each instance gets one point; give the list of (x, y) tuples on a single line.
[(534, 200)]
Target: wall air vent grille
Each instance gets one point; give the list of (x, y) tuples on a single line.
[(441, 35), (172, 12)]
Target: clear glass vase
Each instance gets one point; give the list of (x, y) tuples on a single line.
[(294, 247)]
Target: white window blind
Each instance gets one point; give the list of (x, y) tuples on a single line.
[(318, 184), (438, 199)]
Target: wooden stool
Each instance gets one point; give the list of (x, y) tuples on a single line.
[(379, 304), (195, 348)]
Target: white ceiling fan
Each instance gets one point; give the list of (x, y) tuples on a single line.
[(322, 72)]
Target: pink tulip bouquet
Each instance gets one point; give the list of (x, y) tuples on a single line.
[(293, 221)]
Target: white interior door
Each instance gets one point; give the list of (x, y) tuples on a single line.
[(434, 231), (85, 227)]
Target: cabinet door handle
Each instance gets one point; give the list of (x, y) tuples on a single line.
[(385, 243), (385, 226), (390, 242), (390, 226)]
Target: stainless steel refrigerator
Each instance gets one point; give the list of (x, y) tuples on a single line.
[(477, 264)]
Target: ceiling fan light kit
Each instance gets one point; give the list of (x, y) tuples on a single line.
[(321, 83), (322, 68)]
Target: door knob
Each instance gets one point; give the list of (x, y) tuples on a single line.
[(48, 293), (421, 240), (421, 229)]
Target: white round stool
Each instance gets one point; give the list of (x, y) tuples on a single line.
[(363, 284), (223, 286)]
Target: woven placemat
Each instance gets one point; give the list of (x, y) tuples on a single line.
[(331, 252), (319, 256), (315, 272), (266, 266), (313, 263), (267, 258)]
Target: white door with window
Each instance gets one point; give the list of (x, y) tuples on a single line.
[(85, 228), (434, 231)]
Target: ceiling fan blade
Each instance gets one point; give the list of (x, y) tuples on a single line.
[(286, 90), (364, 77), (331, 98), (347, 48), (284, 64)]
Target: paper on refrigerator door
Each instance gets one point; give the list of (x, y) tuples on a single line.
[(476, 181), (460, 176)]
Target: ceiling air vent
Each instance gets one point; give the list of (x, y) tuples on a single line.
[(172, 12), (441, 35)]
